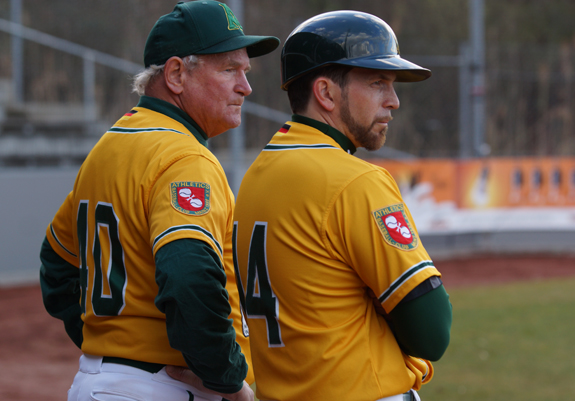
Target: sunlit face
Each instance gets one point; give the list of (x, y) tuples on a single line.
[(366, 104), (214, 91)]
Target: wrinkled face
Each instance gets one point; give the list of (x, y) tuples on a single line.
[(215, 89), (366, 104)]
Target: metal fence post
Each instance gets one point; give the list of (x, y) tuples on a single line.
[(465, 115), (89, 61), (477, 40), (17, 51)]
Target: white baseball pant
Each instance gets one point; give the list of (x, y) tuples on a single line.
[(411, 395), (98, 381)]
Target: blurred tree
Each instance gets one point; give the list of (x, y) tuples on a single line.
[(530, 59)]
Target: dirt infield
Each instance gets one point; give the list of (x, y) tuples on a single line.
[(38, 361)]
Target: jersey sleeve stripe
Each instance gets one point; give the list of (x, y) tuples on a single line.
[(275, 148), (189, 227), (59, 243), (121, 130), (426, 371), (404, 278)]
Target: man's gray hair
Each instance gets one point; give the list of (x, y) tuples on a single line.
[(143, 79)]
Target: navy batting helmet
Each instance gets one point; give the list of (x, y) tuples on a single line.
[(350, 38)]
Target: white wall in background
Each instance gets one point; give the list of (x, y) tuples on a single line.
[(29, 198)]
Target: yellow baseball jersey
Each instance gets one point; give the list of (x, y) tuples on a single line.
[(149, 181), (314, 227)]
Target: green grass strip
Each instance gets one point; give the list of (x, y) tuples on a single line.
[(509, 342)]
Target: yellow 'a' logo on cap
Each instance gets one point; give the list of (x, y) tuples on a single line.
[(233, 22)]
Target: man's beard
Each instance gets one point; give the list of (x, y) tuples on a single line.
[(361, 132)]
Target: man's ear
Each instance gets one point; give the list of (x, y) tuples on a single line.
[(325, 92), (174, 74)]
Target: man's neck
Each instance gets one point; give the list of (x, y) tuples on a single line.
[(330, 118)]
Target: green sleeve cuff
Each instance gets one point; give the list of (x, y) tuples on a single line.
[(422, 325), (192, 294), (60, 284)]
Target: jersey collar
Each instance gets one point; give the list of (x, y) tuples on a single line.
[(333, 133), (168, 109)]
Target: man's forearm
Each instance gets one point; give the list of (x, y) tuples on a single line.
[(60, 284), (192, 294), (422, 326)]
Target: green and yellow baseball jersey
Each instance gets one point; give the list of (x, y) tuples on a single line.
[(314, 227), (149, 181)]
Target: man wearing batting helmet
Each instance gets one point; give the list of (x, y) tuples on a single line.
[(135, 260), (342, 300)]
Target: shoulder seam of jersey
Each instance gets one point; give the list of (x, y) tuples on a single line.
[(274, 147), (122, 130), (331, 204), (189, 227), (413, 270), (59, 243)]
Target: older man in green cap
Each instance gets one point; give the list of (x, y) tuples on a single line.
[(135, 260)]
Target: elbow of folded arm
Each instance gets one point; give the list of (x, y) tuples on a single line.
[(422, 326), (431, 348)]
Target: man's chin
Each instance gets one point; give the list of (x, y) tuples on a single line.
[(375, 144), (234, 122)]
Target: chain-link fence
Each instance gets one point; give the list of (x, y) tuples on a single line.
[(529, 95), (531, 100)]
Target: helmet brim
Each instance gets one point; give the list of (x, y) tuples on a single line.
[(406, 71)]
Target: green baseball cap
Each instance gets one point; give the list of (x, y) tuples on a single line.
[(201, 27)]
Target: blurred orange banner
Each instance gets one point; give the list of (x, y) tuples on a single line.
[(489, 182)]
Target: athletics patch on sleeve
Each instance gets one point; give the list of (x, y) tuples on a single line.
[(395, 227), (191, 198)]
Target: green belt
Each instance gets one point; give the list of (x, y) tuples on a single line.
[(147, 366)]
